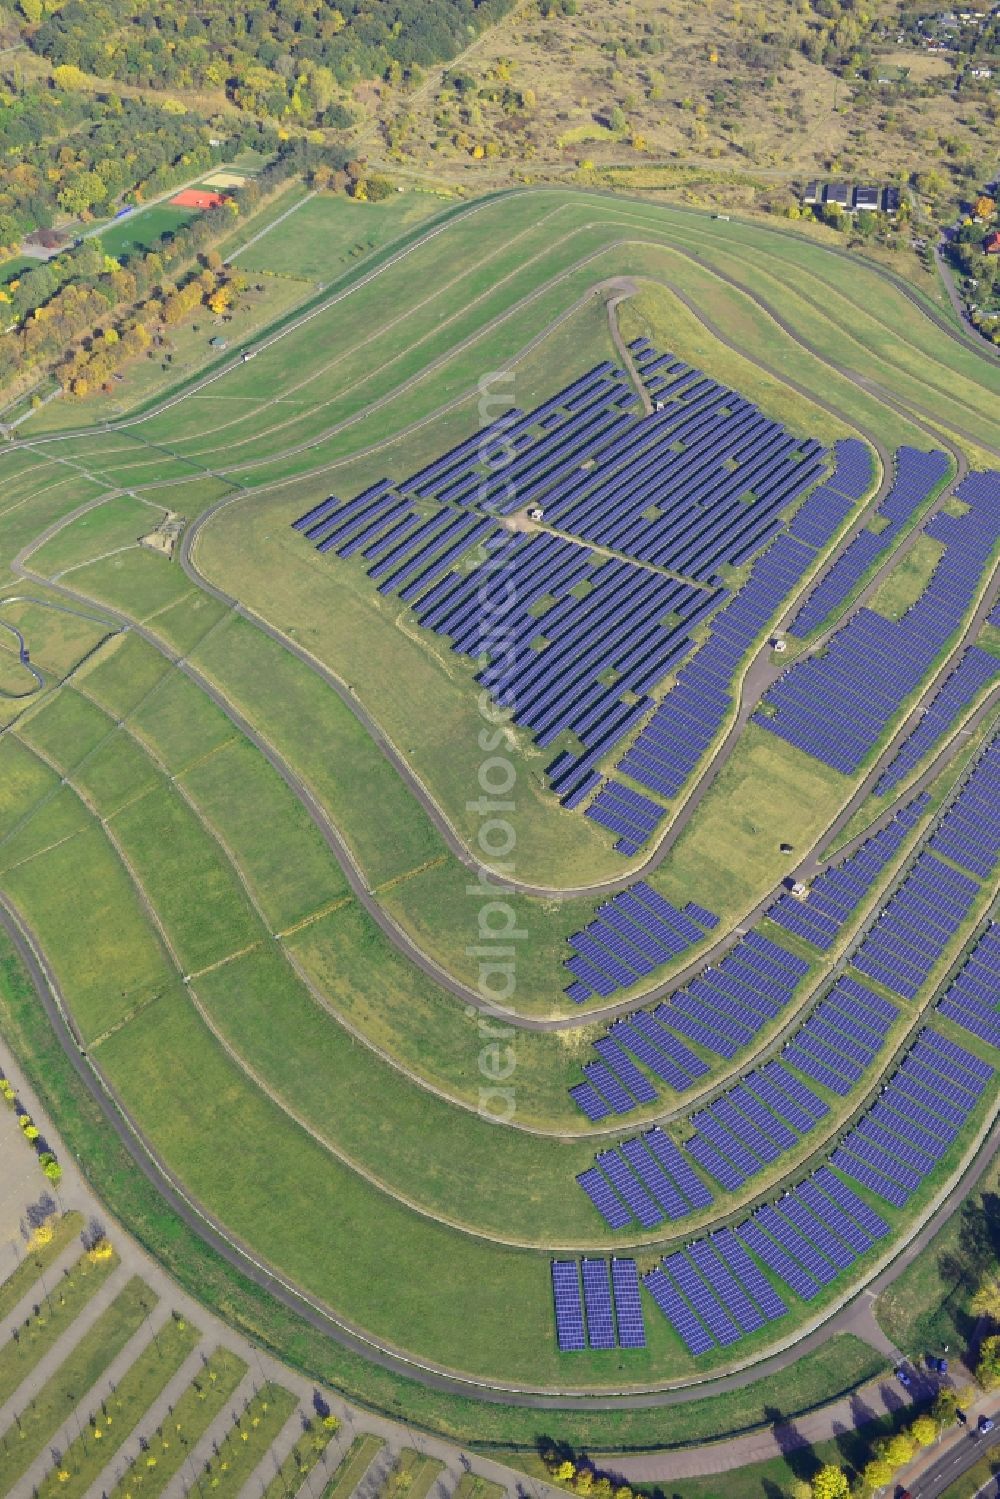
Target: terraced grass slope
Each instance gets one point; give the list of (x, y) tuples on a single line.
[(241, 832)]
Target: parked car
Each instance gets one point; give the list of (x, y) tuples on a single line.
[(986, 1423), (904, 1378)]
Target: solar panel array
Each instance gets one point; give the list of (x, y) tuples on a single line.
[(917, 475), (722, 1010), (837, 704), (574, 640), (842, 1036), (628, 813), (407, 549), (920, 1112), (523, 456), (970, 830), (916, 926), (645, 1180), (614, 1316), (826, 509), (699, 483), (691, 714), (972, 999), (976, 670), (631, 935), (752, 1124), (713, 1293), (836, 894), (570, 1333)]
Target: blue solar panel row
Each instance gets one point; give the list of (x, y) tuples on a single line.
[(917, 475), (836, 894), (975, 671), (669, 748), (916, 926), (699, 483), (714, 1292), (651, 1182), (970, 830), (614, 1317), (632, 934), (919, 1114), (752, 1124), (722, 1011), (628, 813), (836, 705), (842, 1036), (567, 634), (972, 999), (569, 1308)]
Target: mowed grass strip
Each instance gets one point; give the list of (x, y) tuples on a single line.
[(412, 1475), (24, 781), (56, 639), (279, 849), (908, 579), (179, 722), (118, 521), (246, 1444), (171, 1444), (59, 816), (122, 674), (42, 1417), (191, 885), (107, 1429), (291, 1477), (53, 1313), (320, 738), (117, 772), (40, 1253), (187, 621), (320, 234), (87, 916), (768, 792), (451, 1161), (316, 1219), (137, 582), (66, 728), (408, 1016), (353, 1466), (473, 1486)]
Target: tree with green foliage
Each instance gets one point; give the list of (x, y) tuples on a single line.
[(988, 1367)]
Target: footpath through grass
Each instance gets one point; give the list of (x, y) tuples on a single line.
[(54, 1313), (412, 1476), (170, 1444), (42, 1417), (252, 1433), (472, 1486), (109, 1427), (39, 1257), (353, 1466), (291, 1477)]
